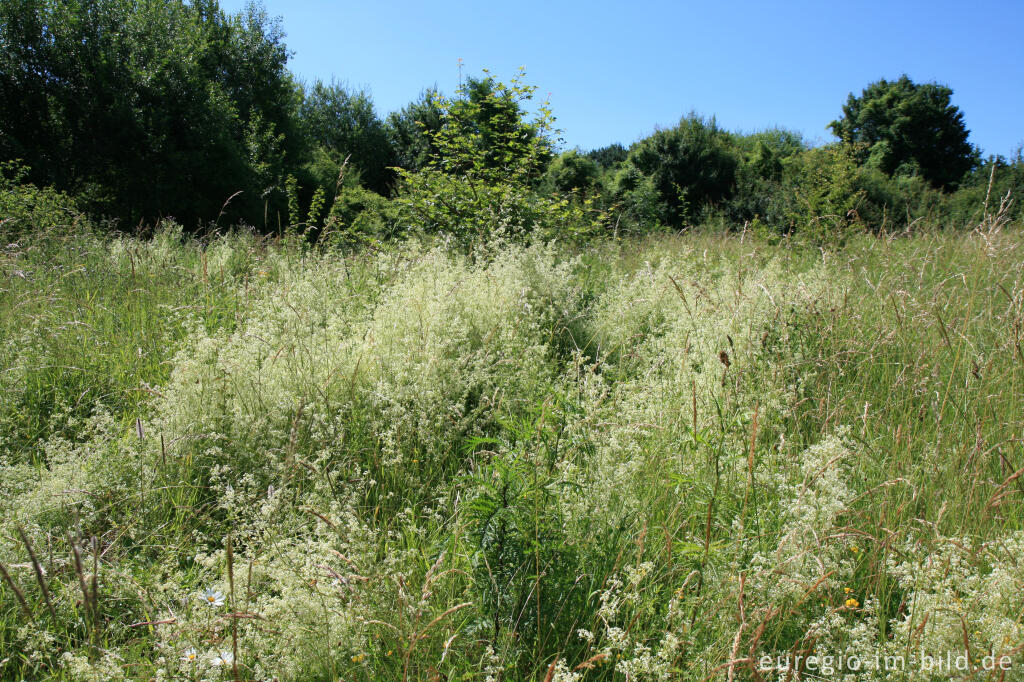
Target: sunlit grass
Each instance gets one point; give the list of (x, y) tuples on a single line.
[(662, 459)]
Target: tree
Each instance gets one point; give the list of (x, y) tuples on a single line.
[(411, 131), (486, 161), (147, 108), (689, 166), (571, 170), (905, 128), (609, 157), (484, 132), (345, 126)]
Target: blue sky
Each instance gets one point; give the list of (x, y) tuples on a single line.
[(615, 72)]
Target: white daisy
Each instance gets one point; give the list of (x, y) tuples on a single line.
[(212, 597), (224, 658)]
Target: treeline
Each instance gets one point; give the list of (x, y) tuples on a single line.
[(135, 110)]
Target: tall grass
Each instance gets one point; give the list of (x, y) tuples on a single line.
[(669, 459)]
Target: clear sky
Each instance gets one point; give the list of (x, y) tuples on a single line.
[(615, 70)]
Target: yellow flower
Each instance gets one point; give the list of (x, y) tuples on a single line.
[(852, 603), (358, 658), (854, 548), (847, 590)]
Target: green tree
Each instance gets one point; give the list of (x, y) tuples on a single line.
[(763, 157), (481, 178), (485, 133), (148, 107), (571, 170), (345, 125), (482, 130), (689, 166), (908, 128), (821, 196), (411, 131), (611, 156)]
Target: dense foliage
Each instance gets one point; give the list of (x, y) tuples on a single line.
[(143, 109), (343, 126), (148, 108), (906, 128), (689, 166)]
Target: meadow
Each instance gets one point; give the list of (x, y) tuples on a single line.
[(695, 457)]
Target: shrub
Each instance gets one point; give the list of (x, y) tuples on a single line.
[(30, 212), (481, 179), (689, 166)]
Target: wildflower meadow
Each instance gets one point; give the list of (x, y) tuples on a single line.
[(678, 458)]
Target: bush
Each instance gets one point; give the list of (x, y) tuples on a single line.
[(571, 171), (359, 216), (689, 166), (481, 181), (27, 211), (820, 198)]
